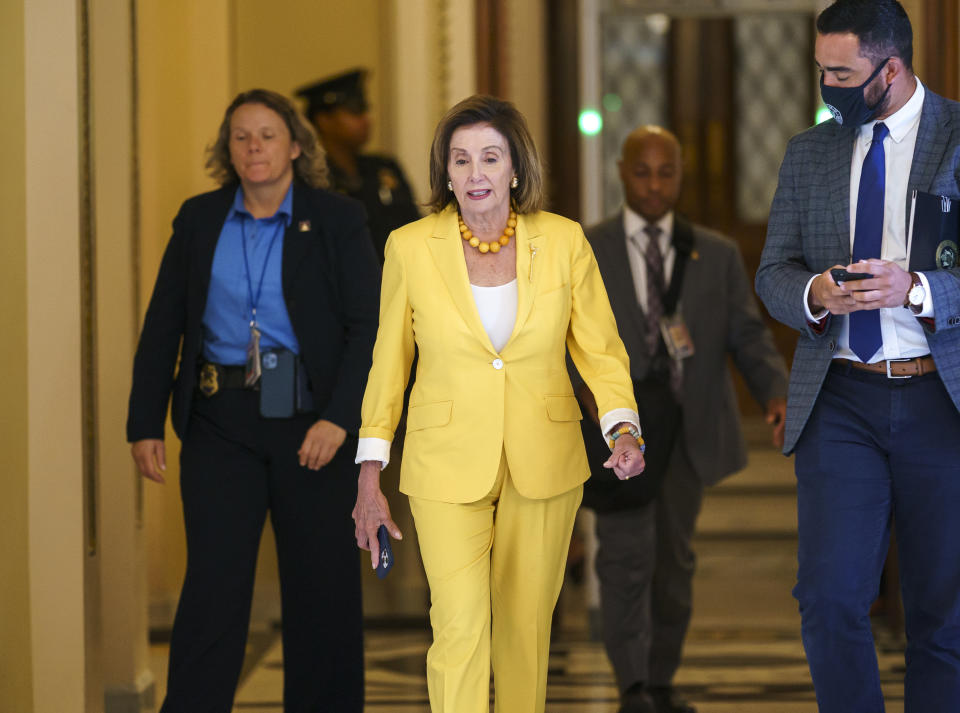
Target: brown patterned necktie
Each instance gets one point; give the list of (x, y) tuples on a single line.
[(656, 289)]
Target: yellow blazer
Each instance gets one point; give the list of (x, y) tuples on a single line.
[(469, 403)]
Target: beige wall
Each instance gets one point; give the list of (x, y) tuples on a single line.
[(916, 10), (419, 40), (51, 623), (183, 48), (121, 594), (282, 46), (52, 376), (527, 66), (16, 685), (431, 50)]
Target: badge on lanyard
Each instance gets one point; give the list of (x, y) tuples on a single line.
[(676, 336), (252, 374)]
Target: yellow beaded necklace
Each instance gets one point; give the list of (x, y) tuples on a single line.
[(494, 245)]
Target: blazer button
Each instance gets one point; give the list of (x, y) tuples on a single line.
[(497, 363)]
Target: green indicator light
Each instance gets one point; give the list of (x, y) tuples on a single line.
[(612, 102), (823, 114), (590, 122)]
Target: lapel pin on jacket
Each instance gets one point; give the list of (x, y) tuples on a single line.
[(304, 226), (533, 254)]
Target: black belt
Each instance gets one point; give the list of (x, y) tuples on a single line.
[(213, 377)]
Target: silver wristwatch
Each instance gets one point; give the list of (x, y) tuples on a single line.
[(916, 295)]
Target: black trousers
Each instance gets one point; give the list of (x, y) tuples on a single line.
[(234, 467)]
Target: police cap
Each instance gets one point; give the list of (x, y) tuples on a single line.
[(343, 90)]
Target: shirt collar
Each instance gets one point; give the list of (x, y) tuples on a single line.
[(284, 212), (633, 225), (902, 121)]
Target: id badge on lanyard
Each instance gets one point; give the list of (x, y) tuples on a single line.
[(252, 374), (676, 336), (253, 368)]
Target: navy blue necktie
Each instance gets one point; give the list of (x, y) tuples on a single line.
[(865, 337)]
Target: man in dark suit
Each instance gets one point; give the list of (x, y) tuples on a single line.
[(874, 393), (337, 107), (664, 274)]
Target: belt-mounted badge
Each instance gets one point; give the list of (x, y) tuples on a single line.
[(388, 184), (209, 381), (947, 253)]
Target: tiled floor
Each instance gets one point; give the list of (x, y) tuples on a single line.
[(743, 653)]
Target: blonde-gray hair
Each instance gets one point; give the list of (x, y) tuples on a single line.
[(310, 166), (528, 196)]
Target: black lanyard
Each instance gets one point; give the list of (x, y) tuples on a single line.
[(672, 296)]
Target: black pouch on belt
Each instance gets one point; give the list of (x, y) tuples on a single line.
[(304, 394), (278, 383), (284, 386)]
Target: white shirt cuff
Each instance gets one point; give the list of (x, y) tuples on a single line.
[(618, 415), (806, 304), (373, 449)]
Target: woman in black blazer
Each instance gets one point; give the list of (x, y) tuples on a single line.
[(268, 294)]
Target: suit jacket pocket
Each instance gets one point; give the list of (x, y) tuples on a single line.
[(429, 415), (563, 408)]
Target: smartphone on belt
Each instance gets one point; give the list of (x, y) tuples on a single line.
[(278, 384)]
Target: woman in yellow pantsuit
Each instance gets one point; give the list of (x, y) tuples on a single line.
[(492, 291)]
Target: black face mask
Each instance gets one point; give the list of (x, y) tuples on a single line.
[(848, 105)]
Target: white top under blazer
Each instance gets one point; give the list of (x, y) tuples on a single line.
[(498, 311)]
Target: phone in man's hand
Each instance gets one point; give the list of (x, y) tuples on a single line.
[(840, 275)]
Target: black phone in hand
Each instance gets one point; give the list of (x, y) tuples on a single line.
[(840, 275), (386, 552)]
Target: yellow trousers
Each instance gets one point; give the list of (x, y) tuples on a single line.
[(495, 568)]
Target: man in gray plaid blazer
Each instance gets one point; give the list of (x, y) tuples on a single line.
[(872, 412)]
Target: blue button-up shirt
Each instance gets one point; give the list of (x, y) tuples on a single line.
[(226, 318)]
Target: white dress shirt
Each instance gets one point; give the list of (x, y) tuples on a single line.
[(637, 241), (903, 336)]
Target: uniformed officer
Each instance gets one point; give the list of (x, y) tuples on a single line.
[(338, 110)]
